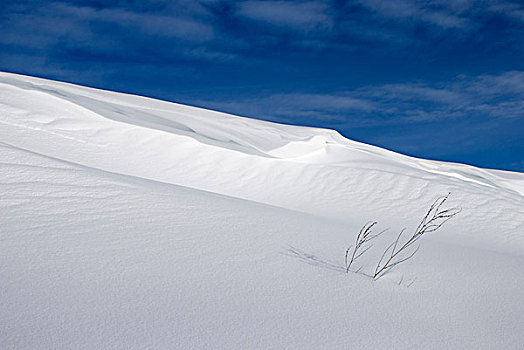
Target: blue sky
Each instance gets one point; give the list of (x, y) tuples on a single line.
[(434, 79)]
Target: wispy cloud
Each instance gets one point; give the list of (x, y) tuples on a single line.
[(303, 16), (439, 13), (157, 24), (509, 9), (492, 96), (56, 27)]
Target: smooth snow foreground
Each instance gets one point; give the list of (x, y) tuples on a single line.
[(132, 223)]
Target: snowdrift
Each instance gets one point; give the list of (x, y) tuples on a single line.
[(129, 222)]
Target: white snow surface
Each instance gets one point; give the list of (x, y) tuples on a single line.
[(132, 223)]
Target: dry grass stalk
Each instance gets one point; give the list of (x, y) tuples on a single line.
[(432, 221), (363, 237)]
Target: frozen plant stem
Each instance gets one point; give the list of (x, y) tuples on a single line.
[(432, 221), (364, 236)]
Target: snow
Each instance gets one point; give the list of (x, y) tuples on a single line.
[(133, 223)]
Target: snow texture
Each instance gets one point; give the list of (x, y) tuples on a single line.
[(133, 223)]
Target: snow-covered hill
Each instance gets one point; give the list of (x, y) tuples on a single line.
[(133, 223)]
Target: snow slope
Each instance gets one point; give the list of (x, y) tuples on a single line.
[(133, 223)]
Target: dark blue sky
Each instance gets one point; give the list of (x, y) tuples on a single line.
[(433, 79)]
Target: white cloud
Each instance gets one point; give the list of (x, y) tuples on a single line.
[(304, 16), (181, 27), (509, 9), (442, 14), (491, 96), (488, 95)]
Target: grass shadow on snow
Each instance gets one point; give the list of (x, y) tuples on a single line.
[(313, 259)]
